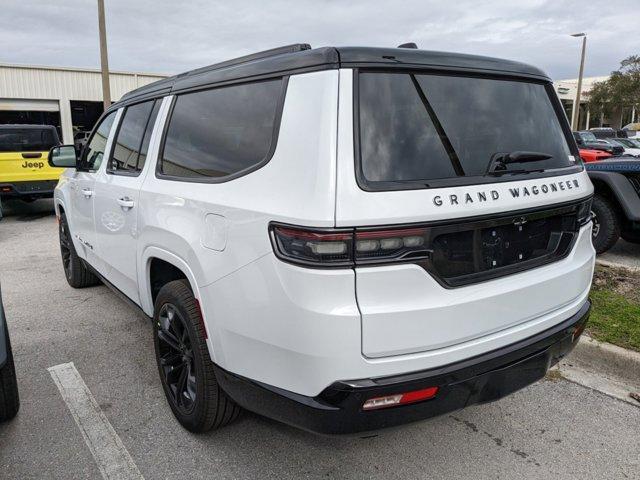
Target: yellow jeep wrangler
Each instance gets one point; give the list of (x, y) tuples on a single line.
[(24, 170)]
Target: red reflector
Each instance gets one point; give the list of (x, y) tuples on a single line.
[(400, 399), (418, 395), (407, 232), (318, 236)]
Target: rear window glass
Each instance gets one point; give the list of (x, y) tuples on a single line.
[(429, 127), (219, 132), (27, 139), (588, 136)]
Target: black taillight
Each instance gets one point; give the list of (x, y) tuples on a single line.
[(381, 245), (457, 253), (348, 247), (584, 212), (313, 247)]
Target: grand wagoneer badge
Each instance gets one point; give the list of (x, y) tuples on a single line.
[(515, 192)]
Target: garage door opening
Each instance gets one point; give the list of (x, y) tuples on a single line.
[(84, 115)]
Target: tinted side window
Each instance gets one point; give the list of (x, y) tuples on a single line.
[(219, 132), (147, 134), (94, 150), (128, 154)]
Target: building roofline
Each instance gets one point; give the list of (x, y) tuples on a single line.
[(575, 80), (79, 69)]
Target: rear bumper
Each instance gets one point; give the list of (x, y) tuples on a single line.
[(32, 189), (487, 377)]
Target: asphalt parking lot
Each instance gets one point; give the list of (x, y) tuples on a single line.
[(553, 429), (623, 253)]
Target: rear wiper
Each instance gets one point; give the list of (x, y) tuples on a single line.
[(498, 173), (499, 161), (418, 183)]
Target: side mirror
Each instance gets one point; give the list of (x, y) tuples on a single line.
[(63, 156)]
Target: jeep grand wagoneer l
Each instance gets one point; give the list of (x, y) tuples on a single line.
[(343, 239)]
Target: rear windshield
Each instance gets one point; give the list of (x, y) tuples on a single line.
[(420, 128), (588, 136), (27, 139)]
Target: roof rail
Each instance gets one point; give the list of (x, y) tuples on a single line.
[(293, 48)]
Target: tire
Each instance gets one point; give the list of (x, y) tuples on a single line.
[(185, 368), (9, 398), (632, 236), (606, 225), (75, 271)]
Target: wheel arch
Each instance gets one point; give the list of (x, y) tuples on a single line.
[(147, 290), (617, 188), (59, 207)]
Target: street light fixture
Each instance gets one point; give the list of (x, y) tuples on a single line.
[(575, 111)]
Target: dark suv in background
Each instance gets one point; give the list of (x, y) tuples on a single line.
[(587, 139), (616, 203)]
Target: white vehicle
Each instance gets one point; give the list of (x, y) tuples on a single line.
[(343, 239)]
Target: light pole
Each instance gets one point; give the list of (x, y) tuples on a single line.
[(104, 61), (575, 111)]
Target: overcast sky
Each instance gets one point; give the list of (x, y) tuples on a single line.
[(173, 36)]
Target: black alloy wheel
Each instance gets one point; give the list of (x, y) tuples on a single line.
[(176, 358), (186, 371), (75, 271), (65, 248)]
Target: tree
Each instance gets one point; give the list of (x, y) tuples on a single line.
[(621, 89)]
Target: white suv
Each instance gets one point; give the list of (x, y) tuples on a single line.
[(342, 239)]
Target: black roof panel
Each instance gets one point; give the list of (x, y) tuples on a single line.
[(361, 56), (299, 58)]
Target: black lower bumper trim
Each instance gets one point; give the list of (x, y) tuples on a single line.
[(488, 377), (31, 189)]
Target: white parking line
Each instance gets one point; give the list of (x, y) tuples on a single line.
[(110, 454)]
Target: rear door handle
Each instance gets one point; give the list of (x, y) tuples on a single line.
[(126, 203), (87, 192)]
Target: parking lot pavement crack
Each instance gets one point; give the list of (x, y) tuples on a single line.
[(497, 440)]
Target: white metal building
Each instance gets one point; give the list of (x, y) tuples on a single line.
[(566, 90), (69, 98)]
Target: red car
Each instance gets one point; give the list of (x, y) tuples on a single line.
[(589, 155)]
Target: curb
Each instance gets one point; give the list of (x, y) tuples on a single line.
[(609, 263), (609, 360)]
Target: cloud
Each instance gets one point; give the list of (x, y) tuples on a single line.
[(170, 37)]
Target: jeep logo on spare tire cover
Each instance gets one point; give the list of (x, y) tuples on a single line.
[(28, 164)]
